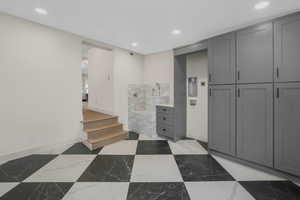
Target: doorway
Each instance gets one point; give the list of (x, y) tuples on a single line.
[(84, 76), (97, 79), (191, 90), (197, 95)]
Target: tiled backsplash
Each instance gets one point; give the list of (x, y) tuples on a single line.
[(142, 101)]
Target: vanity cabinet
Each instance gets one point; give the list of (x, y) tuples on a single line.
[(287, 127), (221, 59), (255, 54), (255, 123), (221, 118), (165, 121), (287, 48)]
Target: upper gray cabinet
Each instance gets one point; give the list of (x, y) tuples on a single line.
[(221, 123), (255, 123), (255, 54), (287, 48), (221, 56), (287, 127)]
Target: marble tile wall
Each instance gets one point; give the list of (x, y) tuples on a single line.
[(142, 101)]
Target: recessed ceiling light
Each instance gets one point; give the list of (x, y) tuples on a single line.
[(176, 32), (262, 5), (134, 44), (41, 11)]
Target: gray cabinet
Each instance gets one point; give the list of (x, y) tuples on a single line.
[(221, 56), (255, 54), (221, 123), (287, 48), (165, 121), (255, 123), (287, 127)]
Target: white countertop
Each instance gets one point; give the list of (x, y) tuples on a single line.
[(165, 105)]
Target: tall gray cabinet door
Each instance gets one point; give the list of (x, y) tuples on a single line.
[(255, 123), (287, 127), (221, 56), (287, 48), (255, 54), (221, 125)]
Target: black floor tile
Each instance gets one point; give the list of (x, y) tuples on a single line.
[(157, 191), (109, 168), (80, 148), (132, 136), (272, 190), (148, 147), (38, 191), (201, 168), (19, 169)]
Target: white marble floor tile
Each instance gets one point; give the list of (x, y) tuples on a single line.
[(145, 137), (219, 190), (244, 173), (64, 168), (125, 147), (155, 168), (186, 147), (105, 191), (5, 187)]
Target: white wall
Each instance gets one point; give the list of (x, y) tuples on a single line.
[(40, 85), (128, 69), (159, 67), (100, 80), (197, 116)]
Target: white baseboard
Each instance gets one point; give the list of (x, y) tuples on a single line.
[(38, 150)]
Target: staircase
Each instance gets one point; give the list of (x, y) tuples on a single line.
[(101, 129)]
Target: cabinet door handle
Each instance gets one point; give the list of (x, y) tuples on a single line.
[(164, 129), (164, 109), (277, 93), (238, 92), (209, 77), (238, 75), (209, 91), (277, 72)]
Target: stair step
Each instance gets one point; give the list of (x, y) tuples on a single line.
[(91, 130), (93, 124), (106, 139), (95, 133), (100, 119)]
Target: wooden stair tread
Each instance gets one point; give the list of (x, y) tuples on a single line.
[(90, 116), (103, 127), (100, 119), (105, 137)]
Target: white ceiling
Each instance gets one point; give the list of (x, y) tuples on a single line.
[(148, 22)]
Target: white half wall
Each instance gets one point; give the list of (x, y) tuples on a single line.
[(40, 85), (100, 80), (197, 116), (128, 69), (159, 67)]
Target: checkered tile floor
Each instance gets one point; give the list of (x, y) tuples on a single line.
[(140, 168)]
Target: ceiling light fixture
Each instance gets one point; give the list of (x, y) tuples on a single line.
[(134, 44), (41, 11), (262, 5), (176, 32)]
